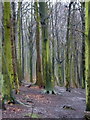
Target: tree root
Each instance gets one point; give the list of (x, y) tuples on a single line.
[(21, 103), (50, 92)]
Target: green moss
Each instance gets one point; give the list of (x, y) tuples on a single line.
[(39, 80), (7, 68), (45, 47), (87, 55), (34, 115)]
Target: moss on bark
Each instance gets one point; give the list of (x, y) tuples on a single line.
[(7, 68), (87, 55)]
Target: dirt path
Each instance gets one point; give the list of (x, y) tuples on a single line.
[(39, 105)]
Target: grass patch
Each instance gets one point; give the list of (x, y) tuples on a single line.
[(34, 115)]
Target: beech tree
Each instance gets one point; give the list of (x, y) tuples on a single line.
[(31, 45), (19, 29), (40, 38), (13, 47), (87, 55), (58, 45), (43, 10), (7, 67), (83, 45), (39, 79), (67, 50)]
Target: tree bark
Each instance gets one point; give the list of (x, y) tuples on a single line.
[(87, 55), (45, 47), (39, 80), (7, 67)]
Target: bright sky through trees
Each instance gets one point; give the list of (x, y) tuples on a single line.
[(44, 0)]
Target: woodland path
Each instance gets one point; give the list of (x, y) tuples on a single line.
[(63, 105)]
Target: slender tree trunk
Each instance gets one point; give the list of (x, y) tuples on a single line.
[(19, 43), (13, 42), (67, 50), (83, 46), (31, 46), (73, 48), (22, 44), (58, 44), (31, 52), (53, 48), (62, 65)]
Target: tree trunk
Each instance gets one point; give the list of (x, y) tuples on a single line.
[(22, 44), (53, 48), (7, 67), (19, 43), (39, 80), (45, 46), (87, 55), (67, 50), (83, 46), (13, 46), (58, 44)]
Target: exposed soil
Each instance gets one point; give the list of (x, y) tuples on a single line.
[(36, 104)]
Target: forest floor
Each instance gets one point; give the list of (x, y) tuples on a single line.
[(36, 104)]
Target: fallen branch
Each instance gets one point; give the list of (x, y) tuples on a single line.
[(19, 102)]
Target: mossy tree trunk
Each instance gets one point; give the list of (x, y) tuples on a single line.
[(1, 37), (87, 55), (43, 10), (7, 67), (39, 80)]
